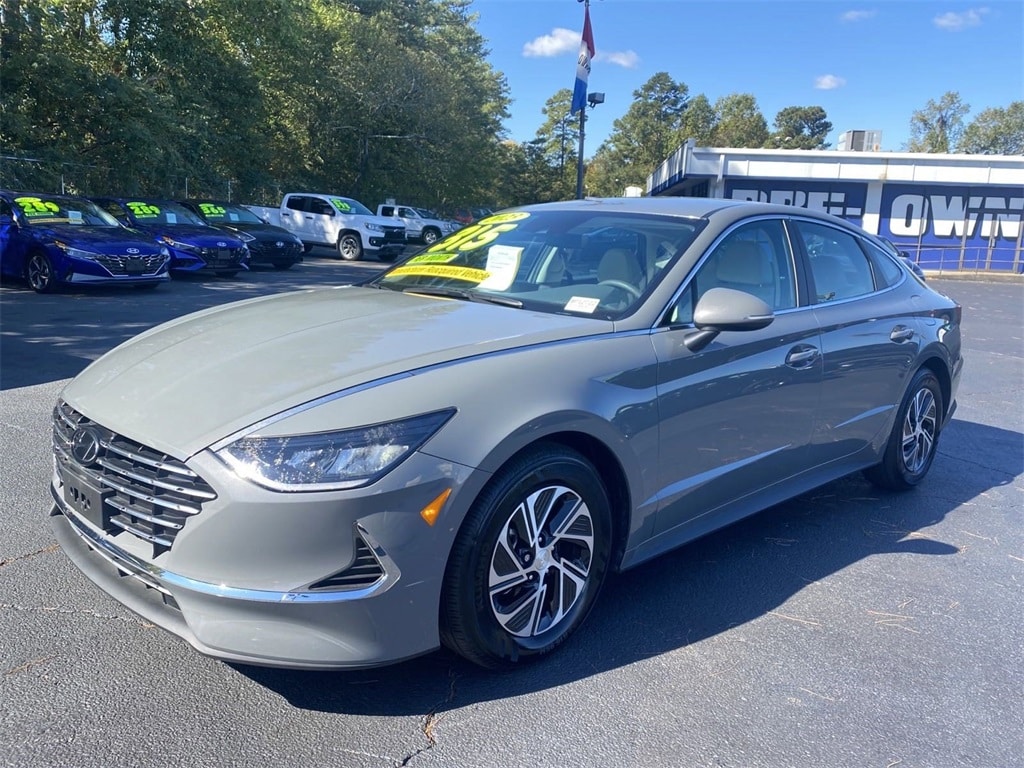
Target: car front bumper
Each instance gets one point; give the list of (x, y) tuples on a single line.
[(261, 609)]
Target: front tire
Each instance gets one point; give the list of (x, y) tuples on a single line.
[(350, 247), (915, 436), (430, 236), (529, 560), (39, 273)]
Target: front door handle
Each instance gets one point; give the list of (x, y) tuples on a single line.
[(802, 356), (901, 333)]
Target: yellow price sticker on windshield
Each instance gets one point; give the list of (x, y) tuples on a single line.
[(35, 206), (433, 258), (480, 234), (440, 270)]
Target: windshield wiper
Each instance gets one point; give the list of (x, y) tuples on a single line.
[(461, 293)]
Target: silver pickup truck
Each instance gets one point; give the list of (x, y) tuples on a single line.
[(421, 224)]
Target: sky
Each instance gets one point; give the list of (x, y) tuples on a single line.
[(869, 65)]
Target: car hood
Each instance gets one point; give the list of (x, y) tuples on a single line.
[(188, 383), (109, 240), (261, 231), (203, 237)]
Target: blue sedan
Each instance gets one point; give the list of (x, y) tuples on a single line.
[(50, 240), (195, 246)]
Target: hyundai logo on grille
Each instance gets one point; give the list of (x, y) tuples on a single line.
[(85, 445), (132, 250), (222, 245), (279, 244)]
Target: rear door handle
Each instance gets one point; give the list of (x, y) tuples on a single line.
[(801, 356)]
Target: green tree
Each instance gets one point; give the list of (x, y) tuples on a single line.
[(995, 131), (939, 125), (699, 121), (740, 122), (559, 137), (641, 139), (800, 128)]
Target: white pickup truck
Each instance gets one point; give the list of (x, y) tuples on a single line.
[(420, 224), (336, 222)]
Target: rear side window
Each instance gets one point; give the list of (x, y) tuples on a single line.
[(887, 272), (296, 203), (839, 268)]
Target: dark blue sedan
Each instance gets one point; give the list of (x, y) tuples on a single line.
[(195, 245), (50, 240)]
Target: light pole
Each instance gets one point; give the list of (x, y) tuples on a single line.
[(593, 99)]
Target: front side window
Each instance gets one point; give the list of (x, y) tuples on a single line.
[(599, 264), (839, 268), (754, 258)]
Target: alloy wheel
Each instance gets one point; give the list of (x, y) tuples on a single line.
[(919, 430), (541, 562)]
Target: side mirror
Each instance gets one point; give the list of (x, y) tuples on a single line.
[(726, 309)]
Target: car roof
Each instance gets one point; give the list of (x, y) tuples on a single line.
[(692, 207)]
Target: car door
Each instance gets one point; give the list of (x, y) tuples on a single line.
[(12, 244), (294, 217), (868, 340), (736, 416)]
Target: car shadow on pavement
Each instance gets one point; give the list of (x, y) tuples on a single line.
[(698, 592)]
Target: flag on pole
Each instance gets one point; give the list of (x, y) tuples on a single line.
[(579, 94)]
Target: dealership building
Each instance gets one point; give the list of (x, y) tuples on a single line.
[(949, 212)]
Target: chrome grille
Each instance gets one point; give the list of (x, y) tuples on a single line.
[(364, 572), (222, 257), (269, 250), (131, 265), (125, 486)]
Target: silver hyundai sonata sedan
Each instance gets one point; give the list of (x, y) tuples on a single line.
[(460, 450)]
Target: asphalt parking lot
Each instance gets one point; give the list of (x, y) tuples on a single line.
[(845, 628)]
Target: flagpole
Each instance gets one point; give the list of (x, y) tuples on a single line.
[(579, 156), (586, 51)]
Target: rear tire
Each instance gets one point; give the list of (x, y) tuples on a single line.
[(528, 563), (350, 247), (915, 436)]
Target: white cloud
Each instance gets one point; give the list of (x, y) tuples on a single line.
[(559, 41), (954, 22), (829, 82), (627, 59), (857, 15)]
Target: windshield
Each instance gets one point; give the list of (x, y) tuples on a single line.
[(162, 212), (426, 213), (227, 213), (44, 209), (599, 264), (347, 205)]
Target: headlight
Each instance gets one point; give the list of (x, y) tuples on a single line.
[(373, 227), (329, 461), (76, 253), (245, 237)]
